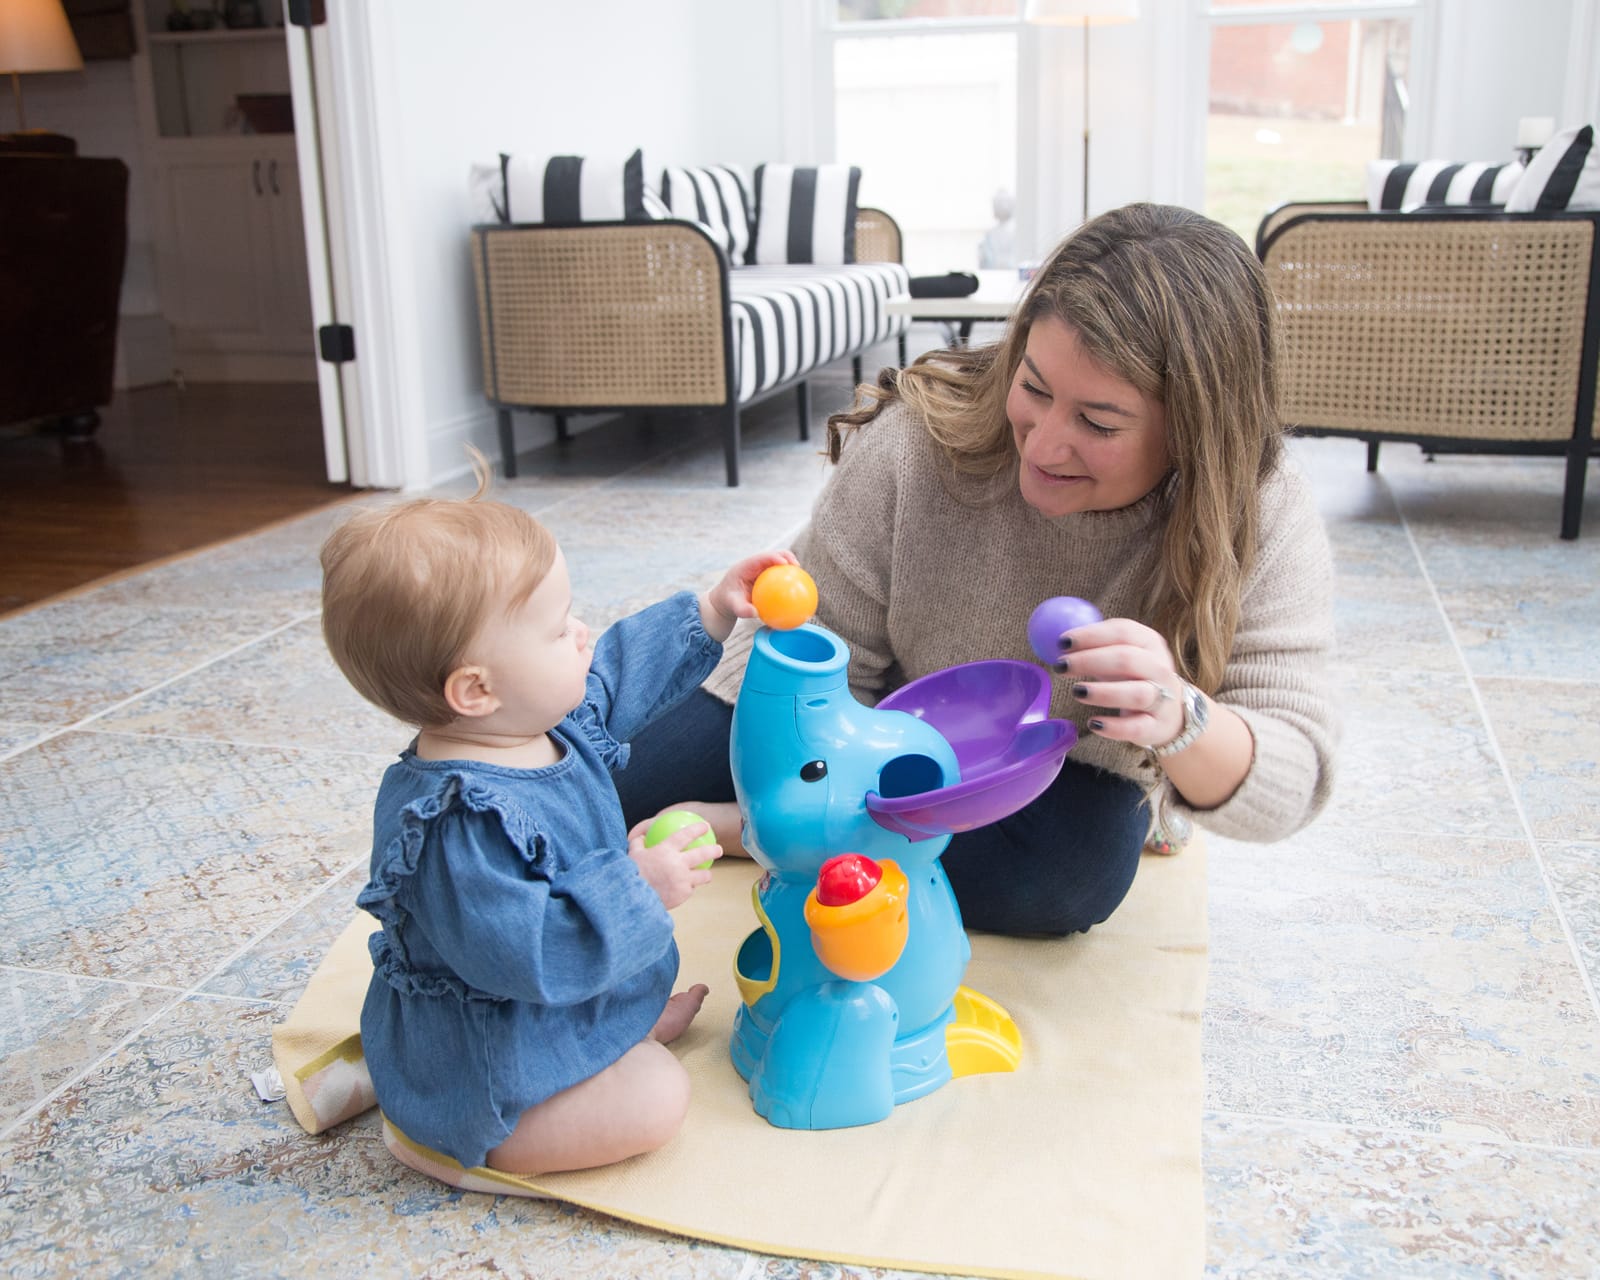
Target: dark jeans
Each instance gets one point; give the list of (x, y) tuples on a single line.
[(1063, 863)]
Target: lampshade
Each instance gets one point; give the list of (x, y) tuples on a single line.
[(1078, 12), (35, 36)]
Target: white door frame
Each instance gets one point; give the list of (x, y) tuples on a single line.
[(333, 75)]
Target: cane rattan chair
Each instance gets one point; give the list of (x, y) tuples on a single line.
[(639, 317), (1459, 331)]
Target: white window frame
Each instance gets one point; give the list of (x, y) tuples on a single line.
[(1205, 17), (1178, 71), (823, 32)]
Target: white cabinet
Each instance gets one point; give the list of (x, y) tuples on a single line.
[(231, 254), (233, 262)]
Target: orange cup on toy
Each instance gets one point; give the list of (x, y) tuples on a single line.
[(858, 917), (785, 596)]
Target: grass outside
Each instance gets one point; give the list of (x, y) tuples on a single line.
[(1247, 174)]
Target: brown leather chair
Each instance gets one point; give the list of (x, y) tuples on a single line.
[(63, 242)]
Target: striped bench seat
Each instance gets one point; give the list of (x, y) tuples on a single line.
[(789, 320)]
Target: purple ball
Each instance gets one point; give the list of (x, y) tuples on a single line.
[(1050, 619)]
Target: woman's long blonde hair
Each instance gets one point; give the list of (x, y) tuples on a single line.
[(1175, 304)]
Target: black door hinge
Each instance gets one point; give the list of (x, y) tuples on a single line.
[(337, 343), (308, 13)]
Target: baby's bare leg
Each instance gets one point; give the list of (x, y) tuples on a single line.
[(637, 1104)]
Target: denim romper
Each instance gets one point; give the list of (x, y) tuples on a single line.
[(521, 950)]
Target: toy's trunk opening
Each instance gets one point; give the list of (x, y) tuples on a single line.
[(806, 660)]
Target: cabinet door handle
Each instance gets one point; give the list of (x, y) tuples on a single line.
[(255, 175), (272, 174)]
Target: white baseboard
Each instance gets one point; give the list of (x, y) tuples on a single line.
[(447, 456)]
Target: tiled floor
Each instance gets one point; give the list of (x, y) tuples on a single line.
[(1402, 1034)]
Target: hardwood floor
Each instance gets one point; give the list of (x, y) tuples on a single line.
[(169, 470)]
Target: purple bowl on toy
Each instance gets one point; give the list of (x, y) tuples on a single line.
[(995, 715)]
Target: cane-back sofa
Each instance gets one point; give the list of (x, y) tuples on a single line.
[(661, 314)]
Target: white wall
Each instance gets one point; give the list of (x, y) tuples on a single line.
[(1497, 62), (532, 76), (738, 57)]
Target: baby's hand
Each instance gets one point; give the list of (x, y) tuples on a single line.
[(667, 867), (729, 600)]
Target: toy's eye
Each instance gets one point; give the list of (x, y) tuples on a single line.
[(815, 771)]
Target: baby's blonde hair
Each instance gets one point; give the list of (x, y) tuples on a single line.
[(406, 587)]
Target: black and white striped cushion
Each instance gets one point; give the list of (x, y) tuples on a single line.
[(655, 208), (716, 196), (564, 190), (789, 320), (805, 214), (1396, 185), (1564, 175)]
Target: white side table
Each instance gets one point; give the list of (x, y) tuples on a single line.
[(996, 298)]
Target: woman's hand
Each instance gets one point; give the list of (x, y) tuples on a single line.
[(724, 604), (1125, 669), (673, 871)]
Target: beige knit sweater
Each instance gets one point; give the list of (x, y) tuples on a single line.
[(913, 580)]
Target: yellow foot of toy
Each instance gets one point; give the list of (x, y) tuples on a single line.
[(981, 1037), (436, 1165)]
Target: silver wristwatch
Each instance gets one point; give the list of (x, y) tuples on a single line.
[(1195, 712)]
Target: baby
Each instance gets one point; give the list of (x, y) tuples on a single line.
[(519, 1002)]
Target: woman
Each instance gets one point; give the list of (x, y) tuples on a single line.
[(1121, 444)]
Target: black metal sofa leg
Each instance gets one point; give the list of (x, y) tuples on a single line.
[(508, 444), (1572, 495), (730, 442), (855, 370), (802, 395), (1372, 454)]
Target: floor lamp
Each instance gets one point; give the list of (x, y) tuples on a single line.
[(35, 36), (1084, 13)]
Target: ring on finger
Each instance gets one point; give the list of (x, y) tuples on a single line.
[(1163, 694)]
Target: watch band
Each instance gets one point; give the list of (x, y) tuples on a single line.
[(1195, 714)]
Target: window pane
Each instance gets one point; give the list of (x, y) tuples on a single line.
[(932, 121), (879, 10), (1297, 110)]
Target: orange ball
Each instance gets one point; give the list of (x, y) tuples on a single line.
[(785, 597)]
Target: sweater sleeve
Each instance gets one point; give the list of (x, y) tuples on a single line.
[(1277, 676), (849, 548)]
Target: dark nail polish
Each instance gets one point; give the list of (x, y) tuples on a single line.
[(1097, 724), (1066, 642), (1080, 691), (1060, 666)]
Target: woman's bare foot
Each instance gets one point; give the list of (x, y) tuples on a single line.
[(679, 1013)]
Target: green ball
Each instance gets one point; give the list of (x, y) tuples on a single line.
[(676, 820)]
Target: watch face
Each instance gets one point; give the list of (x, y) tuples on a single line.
[(1195, 706)]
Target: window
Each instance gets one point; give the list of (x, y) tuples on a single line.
[(924, 100), (1299, 98)]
